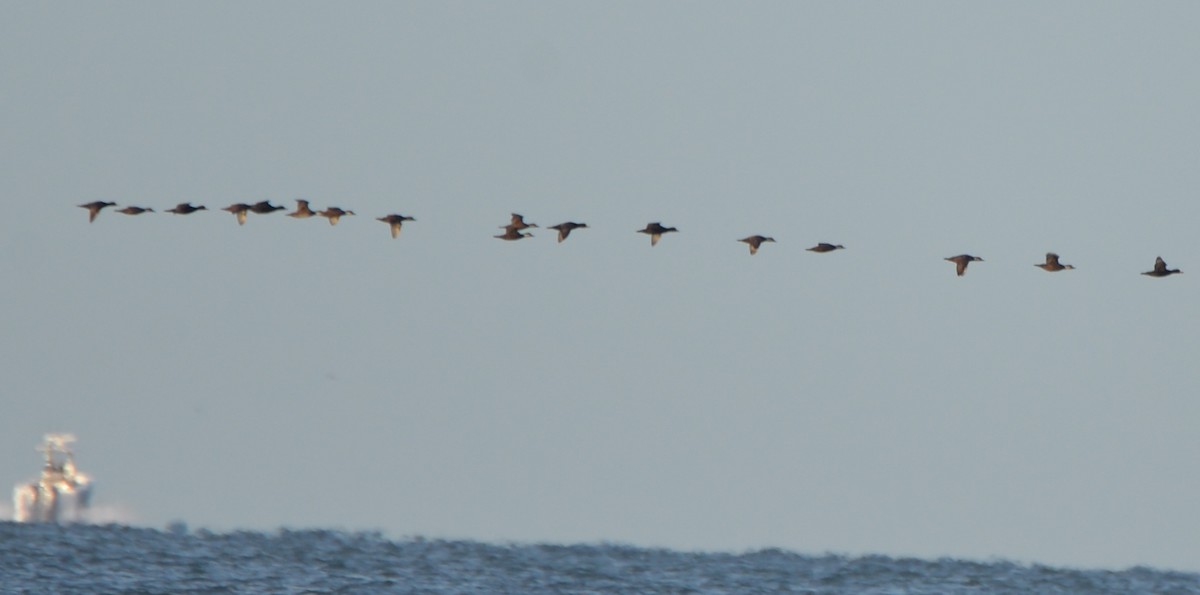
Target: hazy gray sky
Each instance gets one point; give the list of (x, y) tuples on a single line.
[(448, 384)]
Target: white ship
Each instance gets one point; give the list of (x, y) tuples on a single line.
[(62, 493)]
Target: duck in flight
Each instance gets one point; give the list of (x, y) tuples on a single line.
[(512, 233), (263, 207), (333, 214), (94, 208), (302, 211), (564, 229), (1161, 270), (518, 223), (135, 210), (1052, 264), (823, 247), (755, 242), (239, 209), (961, 261), (395, 221), (655, 230), (186, 208)]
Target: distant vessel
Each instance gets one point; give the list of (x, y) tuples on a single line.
[(62, 493)]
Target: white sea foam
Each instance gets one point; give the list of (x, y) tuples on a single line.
[(104, 514)]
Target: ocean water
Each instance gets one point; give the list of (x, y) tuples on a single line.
[(119, 559)]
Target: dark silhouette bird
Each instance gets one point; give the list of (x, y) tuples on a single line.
[(755, 242), (333, 214), (564, 229), (518, 223), (186, 208), (512, 233), (961, 261), (302, 211), (263, 207), (239, 209), (395, 221), (1052, 264), (94, 208), (135, 210), (1160, 269), (823, 247), (656, 231)]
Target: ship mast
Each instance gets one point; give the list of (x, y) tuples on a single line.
[(57, 444)]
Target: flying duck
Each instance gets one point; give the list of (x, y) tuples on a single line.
[(513, 233), (961, 261), (1160, 269), (755, 242), (823, 247), (239, 209), (135, 210), (94, 208), (395, 221), (333, 214), (656, 231), (564, 229), (518, 223), (186, 208), (263, 207), (302, 211), (1052, 263)]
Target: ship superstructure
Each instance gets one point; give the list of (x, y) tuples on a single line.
[(61, 494)]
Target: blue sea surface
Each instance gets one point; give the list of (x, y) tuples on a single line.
[(119, 559)]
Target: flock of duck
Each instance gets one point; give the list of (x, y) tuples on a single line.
[(517, 226)]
